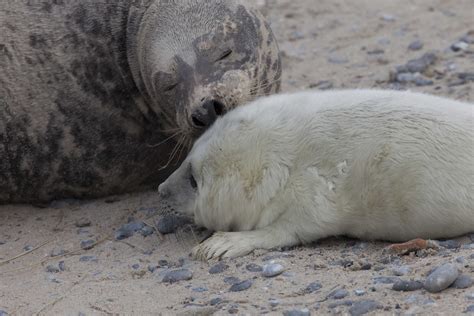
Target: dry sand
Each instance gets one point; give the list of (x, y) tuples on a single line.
[(325, 43)]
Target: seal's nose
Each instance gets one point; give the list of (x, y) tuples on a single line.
[(207, 113)]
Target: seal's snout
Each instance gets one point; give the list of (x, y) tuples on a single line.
[(207, 113)]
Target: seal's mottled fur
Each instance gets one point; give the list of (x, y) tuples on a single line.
[(96, 94)]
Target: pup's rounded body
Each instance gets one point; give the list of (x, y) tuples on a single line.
[(294, 168), (96, 94)]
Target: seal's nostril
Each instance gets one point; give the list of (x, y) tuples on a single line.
[(207, 113)]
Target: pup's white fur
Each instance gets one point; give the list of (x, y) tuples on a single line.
[(293, 168)]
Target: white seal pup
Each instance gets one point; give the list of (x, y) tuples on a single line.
[(293, 168)]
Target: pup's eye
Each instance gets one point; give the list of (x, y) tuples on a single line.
[(193, 182), (171, 87)]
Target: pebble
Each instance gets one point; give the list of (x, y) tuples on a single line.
[(241, 286), (338, 294), (343, 303), (83, 222), (469, 37), (402, 270), (322, 85), (296, 35), (388, 18), (419, 64), (313, 287), (470, 296), (469, 309), (152, 268), (337, 59), (147, 231), (62, 265), (200, 289), (459, 46), (170, 222), (127, 230), (88, 259), (88, 244), (252, 267), (3, 313), (52, 269), (364, 307), (467, 76), (57, 252), (272, 269), (385, 279), (441, 278), (28, 248), (449, 244), (218, 268), (415, 45), (274, 302), (297, 312), (405, 286), (231, 280), (177, 275), (215, 301), (462, 282), (135, 266), (359, 292)]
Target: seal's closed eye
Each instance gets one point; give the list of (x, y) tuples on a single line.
[(193, 182)]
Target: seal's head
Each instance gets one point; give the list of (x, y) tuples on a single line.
[(195, 60), (234, 177)]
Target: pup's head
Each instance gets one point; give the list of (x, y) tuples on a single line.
[(234, 176)]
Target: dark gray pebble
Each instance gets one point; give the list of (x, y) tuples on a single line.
[(163, 263), (415, 45), (252, 267), (152, 268), (170, 222), (215, 301), (385, 279), (297, 312), (467, 76), (200, 289), (88, 244), (83, 222), (469, 309), (127, 230), (322, 85), (441, 278), (405, 286), (135, 266), (62, 265), (88, 259), (28, 248), (241, 286), (218, 268), (338, 294), (52, 269), (178, 275), (364, 307), (343, 303), (231, 280), (459, 46), (462, 282), (418, 64), (449, 244), (57, 252), (3, 313), (312, 287)]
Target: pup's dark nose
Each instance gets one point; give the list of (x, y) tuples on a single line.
[(207, 113)]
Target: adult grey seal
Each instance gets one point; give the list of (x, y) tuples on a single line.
[(100, 97), (294, 168)]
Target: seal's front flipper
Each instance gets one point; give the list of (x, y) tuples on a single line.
[(236, 244)]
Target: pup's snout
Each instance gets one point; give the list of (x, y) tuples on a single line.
[(163, 191), (207, 113)]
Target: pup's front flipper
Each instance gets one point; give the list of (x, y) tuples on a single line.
[(236, 244)]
